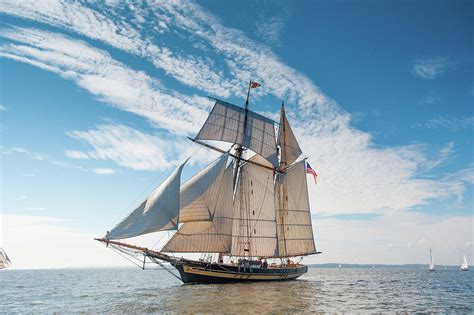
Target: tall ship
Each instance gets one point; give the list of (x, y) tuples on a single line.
[(4, 259), (247, 213)]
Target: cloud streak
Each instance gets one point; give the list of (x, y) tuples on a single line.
[(430, 68)]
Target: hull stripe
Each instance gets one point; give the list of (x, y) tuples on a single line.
[(233, 275)]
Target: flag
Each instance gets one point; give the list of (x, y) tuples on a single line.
[(310, 170), (254, 85)]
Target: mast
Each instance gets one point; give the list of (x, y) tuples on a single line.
[(238, 147), (244, 213), (283, 201)]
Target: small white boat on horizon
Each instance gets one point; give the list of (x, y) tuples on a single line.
[(431, 266), (464, 265)]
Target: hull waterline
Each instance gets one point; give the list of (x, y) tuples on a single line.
[(215, 273)]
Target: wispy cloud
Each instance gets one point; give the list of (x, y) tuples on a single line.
[(104, 171), (3, 109), (430, 68), (128, 147), (76, 154), (113, 82), (269, 29), (430, 99), (33, 155), (450, 122)]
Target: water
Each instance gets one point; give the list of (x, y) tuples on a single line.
[(154, 290)]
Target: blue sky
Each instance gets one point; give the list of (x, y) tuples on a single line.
[(97, 101)]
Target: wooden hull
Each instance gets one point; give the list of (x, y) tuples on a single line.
[(215, 273)]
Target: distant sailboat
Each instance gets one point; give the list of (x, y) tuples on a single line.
[(4, 260), (431, 266), (464, 265)]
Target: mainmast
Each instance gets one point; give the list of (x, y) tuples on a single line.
[(238, 147), (244, 211)]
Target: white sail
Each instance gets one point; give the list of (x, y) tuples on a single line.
[(208, 236), (431, 266), (464, 265), (289, 148), (4, 259), (198, 196), (295, 232), (226, 122), (254, 228), (159, 212)]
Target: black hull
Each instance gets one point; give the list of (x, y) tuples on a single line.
[(194, 272)]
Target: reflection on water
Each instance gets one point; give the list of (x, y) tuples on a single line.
[(321, 290)]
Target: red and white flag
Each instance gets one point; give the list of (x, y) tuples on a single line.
[(310, 170), (254, 85)]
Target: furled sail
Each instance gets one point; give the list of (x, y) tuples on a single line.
[(226, 122), (159, 212), (254, 228), (289, 148), (199, 195), (208, 236), (295, 233)]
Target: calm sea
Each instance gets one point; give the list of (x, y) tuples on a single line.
[(154, 290)]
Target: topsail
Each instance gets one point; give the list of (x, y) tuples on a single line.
[(227, 122)]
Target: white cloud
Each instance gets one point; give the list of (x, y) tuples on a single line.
[(269, 29), (110, 80), (138, 150), (130, 148), (451, 123), (104, 171), (430, 68), (32, 155), (3, 109), (76, 155)]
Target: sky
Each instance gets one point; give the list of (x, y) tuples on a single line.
[(97, 99)]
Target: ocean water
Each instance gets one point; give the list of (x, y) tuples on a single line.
[(155, 291)]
